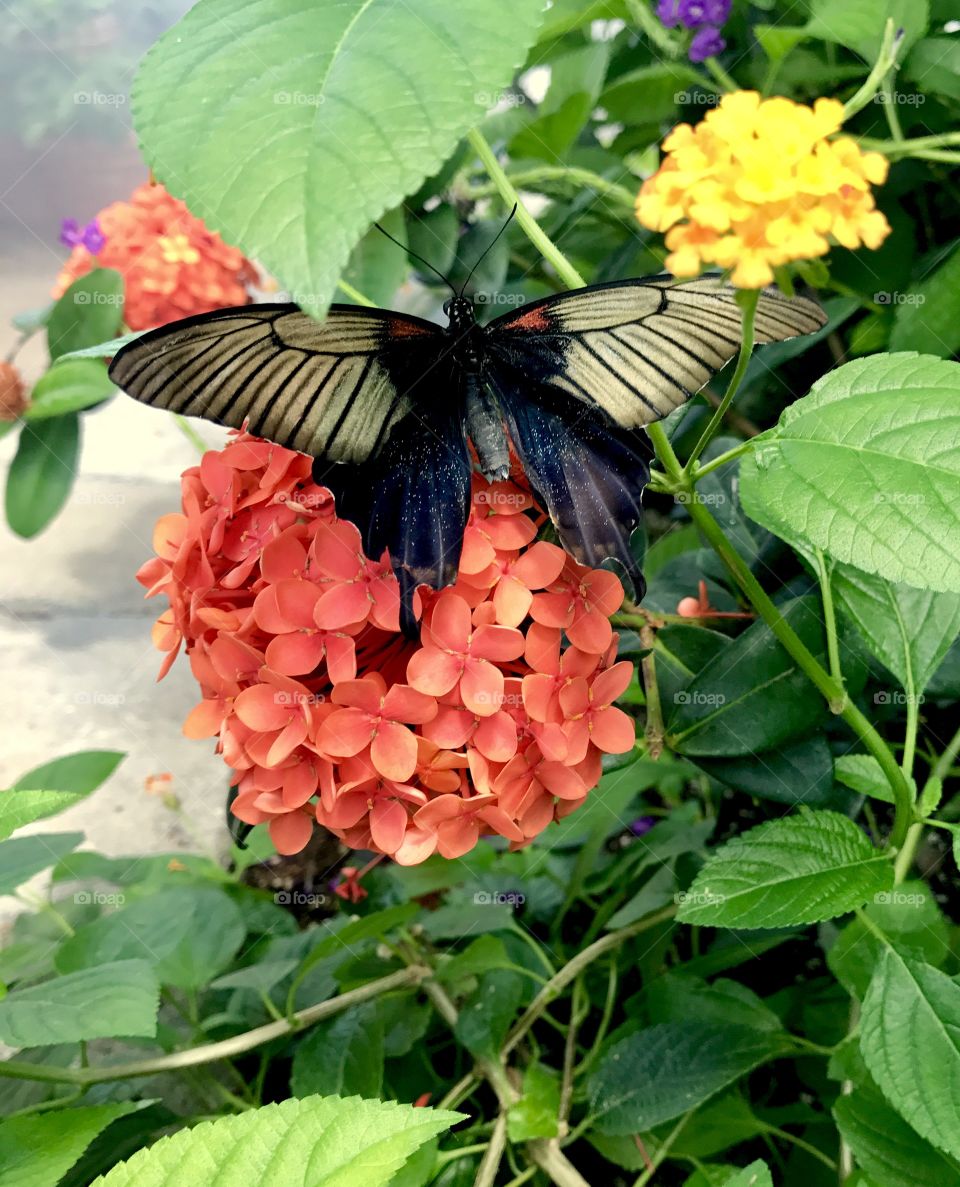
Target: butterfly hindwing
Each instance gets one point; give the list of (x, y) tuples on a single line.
[(640, 348), (337, 387)]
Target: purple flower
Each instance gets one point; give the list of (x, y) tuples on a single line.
[(642, 825), (707, 43), (703, 12), (90, 236), (668, 12)]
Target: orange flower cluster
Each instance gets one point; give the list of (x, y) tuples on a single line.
[(757, 184), (494, 723), (172, 266)]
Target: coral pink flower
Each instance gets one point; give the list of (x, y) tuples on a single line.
[(494, 724), (457, 656)]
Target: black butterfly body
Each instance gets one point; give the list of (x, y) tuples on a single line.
[(388, 404)]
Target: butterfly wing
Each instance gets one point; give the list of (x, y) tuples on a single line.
[(335, 389), (367, 387), (640, 348), (588, 472)]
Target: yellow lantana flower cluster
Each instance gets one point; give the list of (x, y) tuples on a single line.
[(757, 184)]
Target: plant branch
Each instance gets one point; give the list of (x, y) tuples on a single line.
[(886, 61), (532, 229), (226, 1048)]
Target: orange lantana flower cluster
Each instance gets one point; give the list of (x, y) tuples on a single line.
[(495, 722), (172, 265), (757, 184)]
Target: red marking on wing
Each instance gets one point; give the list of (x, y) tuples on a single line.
[(399, 327), (536, 320)]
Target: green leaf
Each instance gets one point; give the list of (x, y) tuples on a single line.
[(370, 927), (88, 312), (757, 1174), (651, 92), (350, 106), (865, 467), (69, 386), (935, 62), (909, 916), (859, 24), (799, 772), (910, 1042), (927, 318), (486, 1015), (42, 472), (112, 1000), (317, 1142), (22, 857), (38, 1151), (864, 775), (801, 869), (376, 266), (757, 698), (103, 350), (891, 1153), (658, 1073), (575, 82), (534, 1115), (677, 996), (655, 893), (18, 808), (341, 1057), (908, 630), (482, 954), (189, 934), (80, 773)]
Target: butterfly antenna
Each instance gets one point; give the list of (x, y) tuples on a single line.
[(435, 271), (488, 248)]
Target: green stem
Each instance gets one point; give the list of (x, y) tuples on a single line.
[(895, 148), (730, 455), (662, 1151), (747, 300), (214, 1052), (533, 179), (540, 240), (886, 60), (355, 294), (829, 616), (643, 15), (720, 76), (190, 433), (785, 1136), (572, 969), (493, 1153)]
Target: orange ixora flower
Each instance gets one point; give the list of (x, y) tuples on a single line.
[(757, 184), (172, 265), (494, 723)]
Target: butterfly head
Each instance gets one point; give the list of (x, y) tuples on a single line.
[(460, 312)]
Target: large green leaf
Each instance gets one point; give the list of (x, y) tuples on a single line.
[(801, 869), (22, 857), (81, 772), (316, 1142), (112, 1000), (38, 1151), (891, 1153), (18, 808), (859, 24), (935, 61), (908, 630), (910, 1042), (341, 1057), (42, 472), (188, 934), (755, 697), (927, 318), (289, 126), (658, 1073), (866, 467)]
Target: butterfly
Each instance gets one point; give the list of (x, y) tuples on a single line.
[(389, 405)]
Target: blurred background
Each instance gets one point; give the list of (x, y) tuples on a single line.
[(74, 629)]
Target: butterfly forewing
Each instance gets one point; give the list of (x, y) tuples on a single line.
[(336, 388), (638, 349)]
